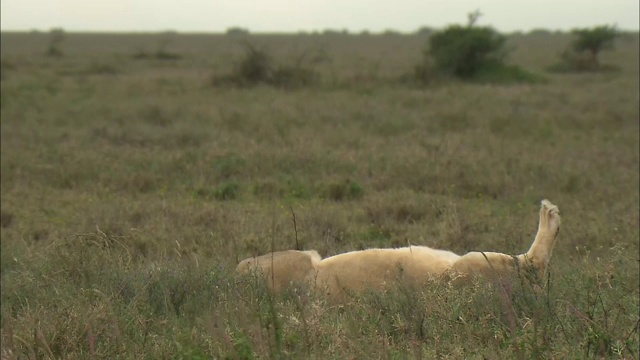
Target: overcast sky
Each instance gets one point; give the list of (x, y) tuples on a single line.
[(291, 16)]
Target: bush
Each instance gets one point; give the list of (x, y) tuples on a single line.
[(237, 31), (425, 31), (257, 67), (594, 40), (463, 51), (582, 54), (161, 52), (57, 36), (470, 53)]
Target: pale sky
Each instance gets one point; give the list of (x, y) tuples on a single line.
[(292, 16)]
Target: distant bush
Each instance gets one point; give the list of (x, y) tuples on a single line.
[(425, 31), (257, 67), (237, 31), (594, 40), (582, 54), (391, 32), (464, 50), (470, 53), (540, 32), (56, 37), (333, 32), (161, 52)]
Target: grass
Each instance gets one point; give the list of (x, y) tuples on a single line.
[(131, 187)]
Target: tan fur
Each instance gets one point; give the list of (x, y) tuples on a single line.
[(283, 268), (498, 265), (379, 269)]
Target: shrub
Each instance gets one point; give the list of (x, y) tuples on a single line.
[(582, 54), (161, 52), (56, 37), (237, 31), (335, 32), (464, 51), (594, 40), (253, 69), (470, 53), (257, 67), (425, 31)]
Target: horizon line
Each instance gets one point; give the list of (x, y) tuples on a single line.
[(340, 31)]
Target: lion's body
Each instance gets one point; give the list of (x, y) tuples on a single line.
[(380, 269), (283, 268)]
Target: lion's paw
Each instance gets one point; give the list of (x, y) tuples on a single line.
[(550, 215)]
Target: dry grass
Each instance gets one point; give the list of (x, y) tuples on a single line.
[(131, 187)]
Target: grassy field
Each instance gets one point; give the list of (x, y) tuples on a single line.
[(131, 187)]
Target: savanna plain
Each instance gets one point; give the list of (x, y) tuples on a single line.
[(132, 183)]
